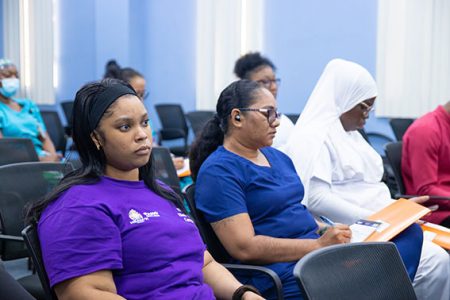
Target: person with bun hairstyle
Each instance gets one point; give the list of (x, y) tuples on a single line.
[(254, 66), (110, 230)]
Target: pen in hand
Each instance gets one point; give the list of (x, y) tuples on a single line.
[(327, 221)]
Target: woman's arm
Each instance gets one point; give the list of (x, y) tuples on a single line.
[(47, 145), (238, 237), (221, 280), (98, 285)]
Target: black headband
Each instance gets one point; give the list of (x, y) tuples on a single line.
[(104, 100)]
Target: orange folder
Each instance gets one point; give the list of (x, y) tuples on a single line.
[(399, 215), (442, 237)]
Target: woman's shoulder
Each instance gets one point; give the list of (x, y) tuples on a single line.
[(222, 161), (221, 157), (25, 102), (275, 154), (83, 195)]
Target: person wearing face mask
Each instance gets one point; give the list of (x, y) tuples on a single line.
[(20, 118)]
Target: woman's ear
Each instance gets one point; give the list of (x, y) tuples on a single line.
[(95, 139), (236, 117)]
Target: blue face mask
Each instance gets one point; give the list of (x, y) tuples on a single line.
[(9, 87)]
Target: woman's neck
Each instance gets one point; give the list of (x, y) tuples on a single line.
[(5, 100), (115, 173), (233, 145)]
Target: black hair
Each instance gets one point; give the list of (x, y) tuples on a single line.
[(249, 63), (239, 94), (113, 70), (94, 160)]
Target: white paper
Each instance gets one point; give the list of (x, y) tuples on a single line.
[(362, 229)]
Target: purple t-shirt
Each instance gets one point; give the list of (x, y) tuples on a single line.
[(153, 249)]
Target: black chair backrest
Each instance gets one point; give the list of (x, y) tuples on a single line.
[(394, 155), (10, 288), (55, 130), (67, 107), (15, 150), (399, 126), (31, 239), (172, 117), (198, 119), (354, 271), (20, 184), (165, 169), (293, 117), (212, 242)]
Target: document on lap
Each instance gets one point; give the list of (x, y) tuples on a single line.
[(362, 229), (385, 224)]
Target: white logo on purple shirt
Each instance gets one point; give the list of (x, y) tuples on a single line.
[(135, 217), (184, 216)]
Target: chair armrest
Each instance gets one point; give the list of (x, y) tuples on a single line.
[(12, 238), (251, 268), (171, 134), (397, 196)]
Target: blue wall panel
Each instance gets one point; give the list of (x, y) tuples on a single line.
[(158, 38), (301, 36), (76, 48)]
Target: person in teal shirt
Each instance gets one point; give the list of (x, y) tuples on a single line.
[(20, 118)]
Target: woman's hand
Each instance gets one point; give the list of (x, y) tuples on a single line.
[(50, 157), (420, 200), (251, 296), (338, 234)]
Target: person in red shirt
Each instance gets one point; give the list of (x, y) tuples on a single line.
[(426, 160)]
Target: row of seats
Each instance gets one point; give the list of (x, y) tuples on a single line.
[(369, 262)]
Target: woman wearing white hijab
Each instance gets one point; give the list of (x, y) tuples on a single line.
[(341, 172)]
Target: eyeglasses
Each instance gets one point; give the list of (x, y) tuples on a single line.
[(267, 83), (366, 107), (143, 94), (270, 113)]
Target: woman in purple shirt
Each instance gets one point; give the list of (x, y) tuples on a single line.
[(110, 230)]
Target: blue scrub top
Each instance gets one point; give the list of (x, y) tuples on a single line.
[(26, 123), (228, 184)]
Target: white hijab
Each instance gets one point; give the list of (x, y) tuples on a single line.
[(342, 85)]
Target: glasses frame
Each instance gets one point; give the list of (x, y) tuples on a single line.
[(267, 83), (144, 95), (367, 108), (267, 112)]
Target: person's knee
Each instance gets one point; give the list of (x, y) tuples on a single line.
[(439, 260)]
